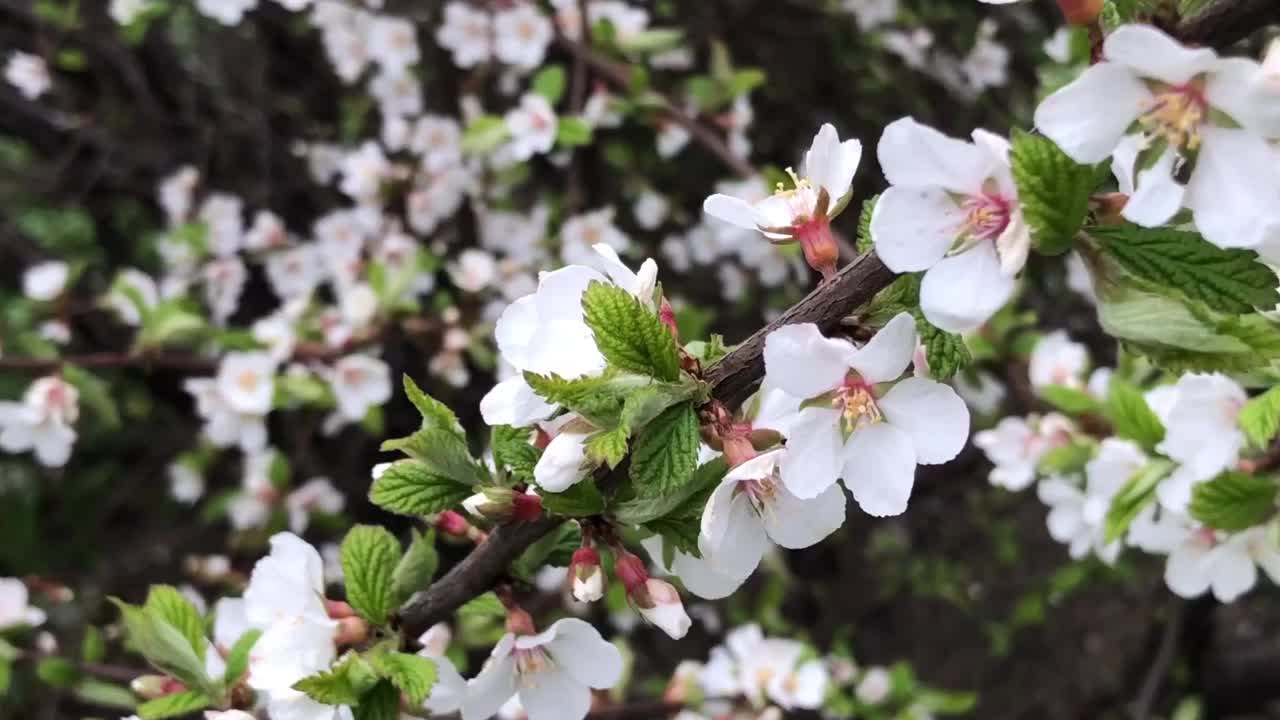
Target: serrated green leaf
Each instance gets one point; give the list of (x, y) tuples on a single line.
[(370, 555), (172, 706), (1069, 400), (1233, 501), (666, 451), (380, 703), (636, 509), (413, 675), (1230, 281), (865, 243), (597, 399), (1053, 191), (945, 352), (513, 449), (1260, 418), (485, 605), (169, 604), (238, 657), (167, 649), (629, 335), (443, 453), (582, 499), (408, 487), (1131, 418), (417, 568), (95, 394), (1138, 492), (435, 414), (330, 687), (549, 82), (608, 447)]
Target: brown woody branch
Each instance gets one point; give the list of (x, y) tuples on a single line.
[(732, 380), (1227, 22)]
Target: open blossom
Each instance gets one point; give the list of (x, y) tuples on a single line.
[(1201, 434), (28, 73), (532, 125), (1016, 445), (953, 211), (465, 34), (15, 607), (1076, 515), (222, 214), (1226, 564), (224, 280), (521, 36), (227, 12), (582, 234), (186, 483), (552, 673), (564, 461), (45, 281), (1057, 360), (760, 668), (363, 172), (474, 270), (42, 421), (234, 403), (359, 383), (315, 495), (802, 213), (393, 43), (1184, 105), (854, 424)]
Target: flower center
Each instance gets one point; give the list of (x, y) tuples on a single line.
[(856, 401), (1176, 116), (802, 200), (530, 662), (247, 380), (986, 216)]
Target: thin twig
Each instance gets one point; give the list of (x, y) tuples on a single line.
[(1159, 669)]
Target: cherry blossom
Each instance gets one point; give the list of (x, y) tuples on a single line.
[(15, 607), (393, 43), (1076, 515), (1228, 565), (1057, 360), (761, 669), (42, 422), (953, 211), (853, 425), (521, 35), (1201, 433), (28, 73), (532, 125), (360, 383), (465, 33), (227, 12), (1016, 445), (315, 495), (45, 281)]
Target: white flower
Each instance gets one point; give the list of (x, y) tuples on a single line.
[(246, 381), (804, 212), (55, 331), (398, 92), (987, 64), (435, 196), (532, 125), (650, 209), (758, 667), (874, 686), (360, 382), (912, 47), (870, 14), (600, 110), (224, 426), (580, 234), (752, 507), (1015, 446), (450, 688), (224, 279), (1228, 565), (186, 484), (437, 140), (42, 421), (953, 211), (227, 715), (564, 461), (132, 293), (393, 43), (1076, 517), (45, 281), (15, 610), (295, 272), (855, 429), (227, 12), (28, 73), (174, 193), (700, 575), (672, 137), (552, 673), (267, 232), (315, 495), (1058, 46), (521, 36), (1201, 434), (222, 215), (1178, 98), (124, 12), (1057, 360), (465, 34), (363, 172), (474, 271)]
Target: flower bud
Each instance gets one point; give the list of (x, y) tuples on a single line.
[(519, 622), (875, 686), (454, 525), (586, 575), (659, 603), (667, 315), (149, 687), (351, 631), (338, 610), (819, 245), (1080, 12), (491, 503)]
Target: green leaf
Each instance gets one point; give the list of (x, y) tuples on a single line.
[(93, 647), (484, 134), (95, 394), (172, 706), (380, 703), (1131, 418), (417, 568), (330, 687), (1069, 400), (629, 335), (102, 694), (865, 243), (167, 603), (238, 657), (485, 605), (435, 414), (549, 83), (680, 526), (408, 487), (513, 449), (413, 675), (57, 672), (162, 645), (666, 452), (637, 509), (1260, 418), (945, 352), (1138, 492), (1234, 501), (598, 399), (573, 132), (1053, 191), (581, 499), (369, 558), (1066, 459), (442, 453), (608, 446), (555, 548), (1231, 281)]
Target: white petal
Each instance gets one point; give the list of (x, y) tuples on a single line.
[(914, 227), (513, 402), (794, 523), (1234, 573), (799, 360), (515, 330), (449, 689), (1187, 572), (1238, 86), (963, 291), (1124, 159), (554, 695), (931, 413), (917, 155), (886, 355), (1152, 54), (561, 464), (829, 164), (1071, 119), (490, 690), (617, 271), (1065, 522), (1158, 196), (1056, 491), (1234, 191), (733, 538), (735, 211), (880, 469), (813, 459), (702, 577), (587, 657)]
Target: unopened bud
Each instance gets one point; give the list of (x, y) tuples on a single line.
[(351, 631), (738, 449), (1080, 12), (502, 505), (819, 245), (149, 687), (451, 523), (519, 622), (668, 317), (587, 575), (338, 609), (630, 571), (659, 602)]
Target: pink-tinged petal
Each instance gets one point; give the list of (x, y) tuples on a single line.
[(813, 459), (1150, 53), (963, 291), (802, 362), (931, 413), (916, 155), (1070, 116), (1234, 191), (880, 469), (914, 227), (888, 353), (735, 211), (794, 523)]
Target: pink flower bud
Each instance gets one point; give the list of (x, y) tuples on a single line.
[(630, 571), (586, 575), (659, 603), (149, 687), (338, 609), (451, 523), (351, 631), (1080, 12)]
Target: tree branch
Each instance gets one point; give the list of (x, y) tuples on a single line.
[(732, 380), (1227, 22)]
